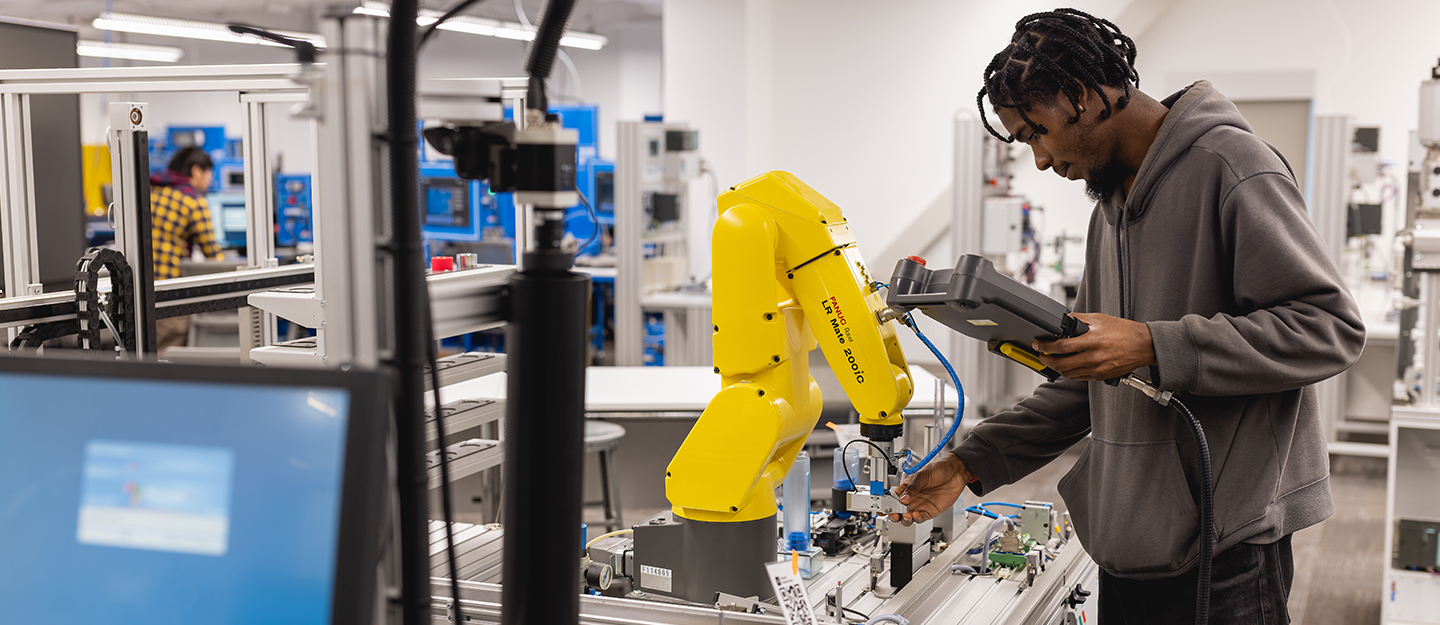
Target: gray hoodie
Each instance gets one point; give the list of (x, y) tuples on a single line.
[(1215, 251)]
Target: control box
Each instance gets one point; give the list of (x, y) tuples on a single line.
[(293, 210)]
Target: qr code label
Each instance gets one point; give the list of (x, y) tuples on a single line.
[(790, 594)]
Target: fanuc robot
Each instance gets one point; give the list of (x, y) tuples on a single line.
[(787, 276)]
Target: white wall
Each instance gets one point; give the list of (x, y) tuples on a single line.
[(1367, 58), (855, 97)]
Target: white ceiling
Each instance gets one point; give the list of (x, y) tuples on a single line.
[(597, 16)]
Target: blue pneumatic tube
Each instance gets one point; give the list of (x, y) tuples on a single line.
[(796, 492)]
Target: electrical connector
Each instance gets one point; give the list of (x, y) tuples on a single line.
[(1160, 397)]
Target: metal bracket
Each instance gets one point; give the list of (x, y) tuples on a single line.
[(884, 504), (297, 304)]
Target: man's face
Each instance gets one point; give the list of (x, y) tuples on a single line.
[(1078, 151), (200, 179)]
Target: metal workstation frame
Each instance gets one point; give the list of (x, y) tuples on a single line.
[(347, 182), (255, 85)]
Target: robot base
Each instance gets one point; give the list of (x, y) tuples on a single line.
[(693, 560)]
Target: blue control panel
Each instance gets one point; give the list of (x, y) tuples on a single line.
[(454, 209), (293, 216)]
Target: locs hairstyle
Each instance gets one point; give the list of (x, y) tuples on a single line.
[(1058, 51)]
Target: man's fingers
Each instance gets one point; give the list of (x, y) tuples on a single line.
[(1081, 362)]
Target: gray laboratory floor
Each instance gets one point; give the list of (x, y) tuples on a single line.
[(1337, 563)]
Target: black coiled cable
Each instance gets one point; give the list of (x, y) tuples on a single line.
[(543, 51), (1207, 515)]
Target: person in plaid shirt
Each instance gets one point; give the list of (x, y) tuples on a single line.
[(179, 222)]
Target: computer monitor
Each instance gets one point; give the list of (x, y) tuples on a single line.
[(138, 493), (447, 202), (227, 213)]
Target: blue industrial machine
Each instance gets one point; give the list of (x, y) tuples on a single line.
[(457, 212), (466, 217), (594, 179), (293, 208)]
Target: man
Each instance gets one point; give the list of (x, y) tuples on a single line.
[(1203, 275), (180, 219)]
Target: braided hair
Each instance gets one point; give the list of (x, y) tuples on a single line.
[(1058, 51)]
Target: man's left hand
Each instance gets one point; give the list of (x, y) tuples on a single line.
[(1111, 348)]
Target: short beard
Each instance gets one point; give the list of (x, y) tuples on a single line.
[(1102, 182)]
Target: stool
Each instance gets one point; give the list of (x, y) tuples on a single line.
[(603, 437)]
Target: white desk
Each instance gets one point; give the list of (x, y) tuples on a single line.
[(662, 389), (598, 272)]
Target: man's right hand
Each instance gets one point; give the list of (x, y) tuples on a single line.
[(932, 489)]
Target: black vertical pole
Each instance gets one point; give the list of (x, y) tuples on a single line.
[(408, 278), (144, 269), (545, 399), (544, 440)]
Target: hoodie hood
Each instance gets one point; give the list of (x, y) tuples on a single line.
[(170, 178), (1194, 111)]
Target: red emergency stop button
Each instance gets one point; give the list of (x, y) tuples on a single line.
[(916, 259)]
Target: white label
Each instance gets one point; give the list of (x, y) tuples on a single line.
[(655, 578), (790, 594), (846, 432), (982, 322)]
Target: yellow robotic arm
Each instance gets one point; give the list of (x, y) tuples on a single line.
[(787, 276)]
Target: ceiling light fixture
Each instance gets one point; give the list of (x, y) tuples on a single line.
[(132, 51), (167, 27), (488, 27)]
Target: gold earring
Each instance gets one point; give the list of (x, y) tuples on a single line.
[(1081, 107)]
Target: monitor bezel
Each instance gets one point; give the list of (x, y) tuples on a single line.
[(364, 485)]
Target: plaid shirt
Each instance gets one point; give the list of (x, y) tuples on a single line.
[(179, 219)]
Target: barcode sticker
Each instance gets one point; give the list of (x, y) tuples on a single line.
[(790, 594)]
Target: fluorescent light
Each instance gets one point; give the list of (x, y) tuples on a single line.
[(166, 27), (584, 41), (133, 51), (488, 27)]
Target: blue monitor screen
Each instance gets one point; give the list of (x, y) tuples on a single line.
[(447, 202), (143, 501), (228, 215)]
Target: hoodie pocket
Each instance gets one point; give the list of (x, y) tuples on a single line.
[(1131, 506)]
